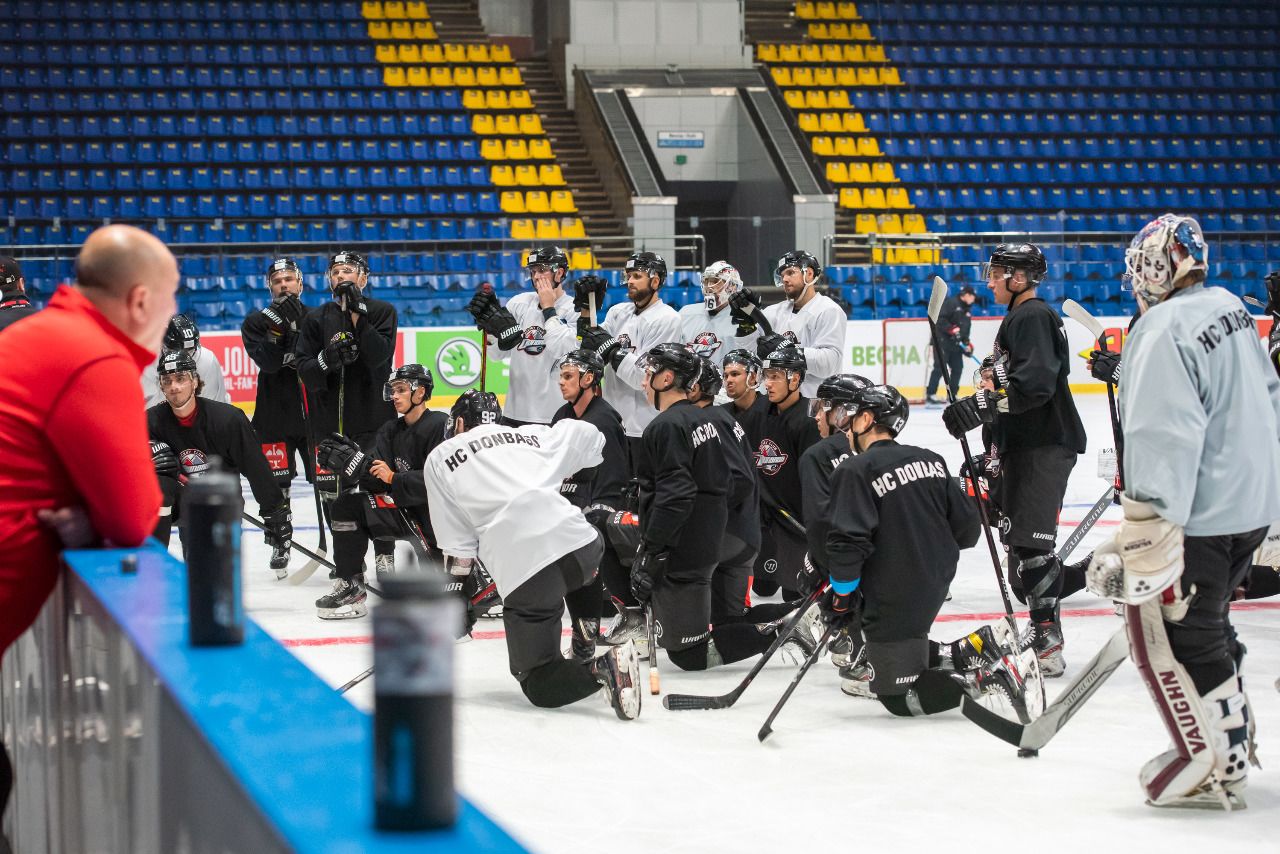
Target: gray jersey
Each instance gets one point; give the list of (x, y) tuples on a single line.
[(207, 367), (1200, 407)]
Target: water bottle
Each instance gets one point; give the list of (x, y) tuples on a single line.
[(414, 627), (211, 511)]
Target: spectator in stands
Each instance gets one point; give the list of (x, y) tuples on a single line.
[(13, 293), (953, 337), (75, 467)]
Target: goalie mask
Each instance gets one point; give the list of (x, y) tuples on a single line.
[(1167, 254), (415, 375), (719, 282)]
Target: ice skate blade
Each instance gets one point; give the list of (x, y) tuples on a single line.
[(353, 612), (1226, 802)]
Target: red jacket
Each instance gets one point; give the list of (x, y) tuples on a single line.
[(72, 432)]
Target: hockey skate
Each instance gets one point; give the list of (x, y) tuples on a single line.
[(855, 678), (800, 644), (1046, 639), (842, 649), (346, 601), (582, 639), (934, 400), (280, 559), (618, 671), (384, 566), (628, 626), (994, 673)]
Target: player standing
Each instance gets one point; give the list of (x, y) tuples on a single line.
[(183, 334), (709, 327), (954, 325)]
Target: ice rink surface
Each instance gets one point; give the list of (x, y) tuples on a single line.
[(838, 773)]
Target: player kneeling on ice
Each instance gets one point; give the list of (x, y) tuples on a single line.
[(1195, 508), (188, 430), (897, 521), (494, 494)]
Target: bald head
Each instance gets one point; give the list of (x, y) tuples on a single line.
[(131, 277)]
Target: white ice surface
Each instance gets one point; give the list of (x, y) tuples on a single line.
[(837, 773)]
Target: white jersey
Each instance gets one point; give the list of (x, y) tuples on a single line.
[(1200, 407), (533, 393), (637, 334), (494, 493), (712, 335), (207, 367), (819, 330)]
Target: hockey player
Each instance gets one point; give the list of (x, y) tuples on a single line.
[(750, 408), (683, 501), (808, 319), (531, 333), (269, 336), (629, 330), (954, 324), (183, 334), (709, 327), (494, 495), (1035, 432), (1195, 508), (194, 430), (383, 495), (788, 431), (14, 304)]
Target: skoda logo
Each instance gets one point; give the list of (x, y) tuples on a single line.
[(458, 362)]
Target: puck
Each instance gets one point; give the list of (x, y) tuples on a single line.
[(1027, 752)]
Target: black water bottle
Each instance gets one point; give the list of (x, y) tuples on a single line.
[(414, 626), (211, 511)]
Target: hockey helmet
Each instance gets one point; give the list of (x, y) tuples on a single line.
[(650, 262), (1163, 256), (719, 282), (355, 259), (283, 264), (175, 362), (475, 408), (839, 393), (548, 256), (799, 259), (416, 375), (789, 358), (1018, 256), (677, 358), (182, 334), (586, 361), (742, 356), (886, 404), (711, 382)]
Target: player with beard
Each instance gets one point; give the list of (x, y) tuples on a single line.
[(708, 327)]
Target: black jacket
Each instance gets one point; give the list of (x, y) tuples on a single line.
[(817, 468), (1033, 345), (360, 383), (600, 484), (787, 435), (683, 490), (954, 323), (744, 491), (277, 414), (405, 447), (14, 307)]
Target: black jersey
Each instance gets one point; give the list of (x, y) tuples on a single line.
[(683, 488), (752, 418), (817, 467), (1033, 346), (404, 447), (787, 435), (743, 497), (600, 484), (897, 523), (13, 309), (277, 414), (219, 430), (358, 384)]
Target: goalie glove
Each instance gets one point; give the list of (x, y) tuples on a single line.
[(1143, 559), (340, 454)]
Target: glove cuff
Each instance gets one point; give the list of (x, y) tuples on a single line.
[(324, 365), (999, 375)]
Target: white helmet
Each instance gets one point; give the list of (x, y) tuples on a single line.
[(719, 282), (1163, 254)]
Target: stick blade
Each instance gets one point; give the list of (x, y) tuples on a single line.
[(307, 570), (998, 725), (765, 732), (1081, 315), (937, 298)]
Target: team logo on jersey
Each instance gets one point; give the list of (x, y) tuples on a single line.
[(705, 344), (277, 454), (458, 362), (624, 343), (533, 341), (791, 336), (769, 458), (194, 462), (402, 464)]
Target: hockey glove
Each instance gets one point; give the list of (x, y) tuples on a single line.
[(1268, 552), (352, 298), (647, 571), (969, 412), (164, 459), (766, 344), (967, 347), (282, 314), (1143, 559), (839, 609), (810, 579), (584, 289), (598, 514), (277, 526), (342, 349), (604, 345), (340, 454), (1105, 365), (1273, 293), (742, 310), (999, 374), (493, 319)]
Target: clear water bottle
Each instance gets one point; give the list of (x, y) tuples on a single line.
[(215, 604), (414, 627)]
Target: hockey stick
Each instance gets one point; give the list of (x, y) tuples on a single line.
[(320, 560), (484, 347), (655, 681), (1081, 315), (1086, 524), (1254, 301), (936, 298), (786, 695), (684, 702), (1029, 738), (356, 680), (311, 565)]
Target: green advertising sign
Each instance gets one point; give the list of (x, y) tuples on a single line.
[(453, 355)]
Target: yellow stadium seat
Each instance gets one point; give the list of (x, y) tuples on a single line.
[(371, 9), (512, 201), (802, 77), (824, 77), (537, 201), (547, 229), (464, 75), (846, 146), (853, 123), (908, 255), (527, 176), (808, 122), (846, 75), (794, 99), (897, 198), (562, 202), (867, 76), (410, 54), (478, 53), (441, 76), (549, 175), (502, 175), (496, 99), (539, 149), (417, 76), (522, 229), (872, 52), (492, 149), (486, 76), (889, 76), (819, 31), (401, 30), (500, 53), (509, 75), (473, 99), (839, 32), (416, 9), (432, 54), (859, 173), (518, 149), (811, 53), (873, 198), (385, 53), (882, 173), (847, 11), (832, 54), (482, 124), (582, 259), (913, 224), (393, 75), (877, 255), (506, 124), (859, 32), (520, 99), (379, 30), (822, 146), (831, 122), (854, 53), (864, 223), (455, 53), (530, 124), (393, 9), (804, 11), (838, 172), (781, 76), (868, 147), (824, 11), (850, 197), (838, 98), (572, 227), (767, 52), (815, 99), (789, 53), (889, 224), (424, 31)]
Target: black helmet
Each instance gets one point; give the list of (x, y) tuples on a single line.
[(676, 357), (355, 259), (711, 381), (650, 262), (586, 361), (887, 406), (842, 388), (416, 375), (796, 258), (475, 408), (283, 263), (175, 361), (1019, 256), (182, 334), (789, 357), (742, 356), (551, 256)]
